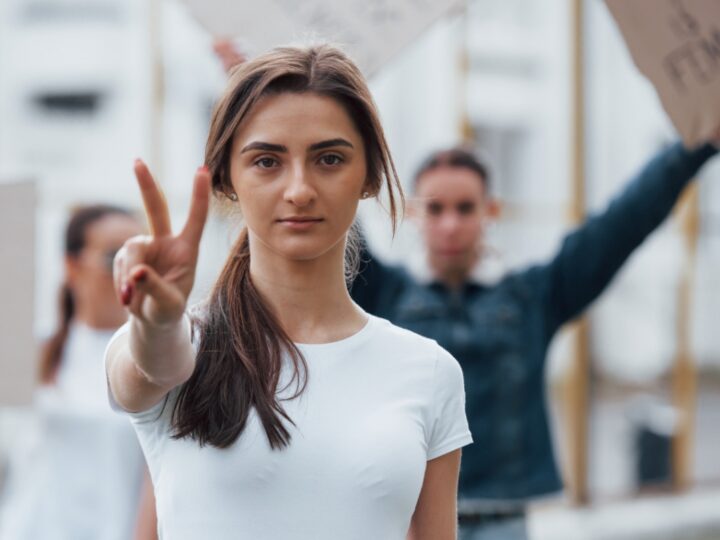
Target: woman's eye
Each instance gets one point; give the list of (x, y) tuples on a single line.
[(466, 208), (266, 163), (434, 209), (331, 159)]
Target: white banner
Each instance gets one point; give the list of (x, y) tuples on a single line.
[(676, 44), (18, 351), (370, 31)]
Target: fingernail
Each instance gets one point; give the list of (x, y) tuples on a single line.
[(203, 169), (140, 275), (126, 294)]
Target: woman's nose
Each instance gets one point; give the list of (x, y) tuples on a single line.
[(299, 190)]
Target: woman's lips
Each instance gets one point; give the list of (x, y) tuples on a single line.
[(451, 252), (300, 223)]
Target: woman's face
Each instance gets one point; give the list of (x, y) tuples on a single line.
[(298, 168), (454, 208), (90, 272)]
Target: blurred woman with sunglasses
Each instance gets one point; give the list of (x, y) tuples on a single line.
[(83, 468)]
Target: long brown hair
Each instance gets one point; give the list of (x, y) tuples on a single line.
[(81, 219), (241, 342)]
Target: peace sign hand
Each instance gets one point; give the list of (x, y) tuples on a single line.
[(154, 274)]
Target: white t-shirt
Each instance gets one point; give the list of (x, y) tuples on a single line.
[(378, 405), (76, 472)]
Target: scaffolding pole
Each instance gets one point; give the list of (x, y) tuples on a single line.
[(578, 379), (684, 376)]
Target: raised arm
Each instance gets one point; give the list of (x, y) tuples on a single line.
[(153, 278), (591, 255)]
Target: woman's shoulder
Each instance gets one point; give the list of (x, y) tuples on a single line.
[(398, 339), (406, 356)]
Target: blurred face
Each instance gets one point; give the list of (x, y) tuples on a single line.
[(453, 210), (298, 168), (90, 273)]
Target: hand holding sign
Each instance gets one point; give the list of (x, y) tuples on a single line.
[(676, 44), (228, 53)]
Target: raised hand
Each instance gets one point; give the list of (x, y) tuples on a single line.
[(154, 274), (228, 53)]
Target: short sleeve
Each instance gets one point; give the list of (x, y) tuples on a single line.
[(449, 426)]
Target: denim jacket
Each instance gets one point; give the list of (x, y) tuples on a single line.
[(500, 334)]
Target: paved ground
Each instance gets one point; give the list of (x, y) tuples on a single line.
[(692, 516), (617, 512)]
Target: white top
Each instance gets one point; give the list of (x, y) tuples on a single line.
[(76, 473), (80, 380), (378, 405)]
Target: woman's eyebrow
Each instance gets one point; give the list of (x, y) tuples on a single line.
[(330, 143), (270, 147), (267, 147)]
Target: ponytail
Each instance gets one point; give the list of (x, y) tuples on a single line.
[(51, 353), (239, 361)]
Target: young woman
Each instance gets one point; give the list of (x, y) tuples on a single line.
[(280, 409), (81, 476)]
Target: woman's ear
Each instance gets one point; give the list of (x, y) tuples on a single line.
[(493, 209), (414, 209), (368, 191)]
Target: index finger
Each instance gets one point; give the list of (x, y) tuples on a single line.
[(156, 207)]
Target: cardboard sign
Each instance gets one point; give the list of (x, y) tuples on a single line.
[(370, 31), (676, 44), (18, 353)]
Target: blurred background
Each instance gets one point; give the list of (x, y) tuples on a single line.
[(545, 91)]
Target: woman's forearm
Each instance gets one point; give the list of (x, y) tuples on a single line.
[(164, 355)]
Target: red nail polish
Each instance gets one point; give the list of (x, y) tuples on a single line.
[(140, 275), (126, 294)]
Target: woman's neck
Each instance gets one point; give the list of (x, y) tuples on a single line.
[(309, 297), (455, 276)]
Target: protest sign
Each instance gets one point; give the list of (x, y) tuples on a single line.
[(371, 31), (676, 44)]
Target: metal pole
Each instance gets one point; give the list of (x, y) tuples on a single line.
[(578, 379), (467, 133), (157, 89), (684, 376)]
